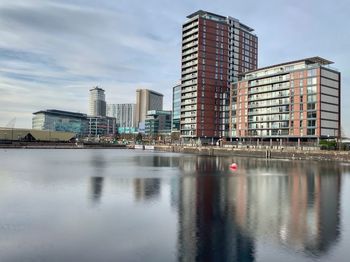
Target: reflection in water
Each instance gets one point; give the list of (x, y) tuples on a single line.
[(96, 188), (207, 231), (222, 216), (156, 161), (146, 188), (189, 208), (98, 162)]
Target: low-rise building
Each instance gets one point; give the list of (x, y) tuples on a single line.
[(158, 122), (58, 120), (101, 126), (34, 135)]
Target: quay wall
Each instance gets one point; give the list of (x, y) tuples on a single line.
[(275, 153)]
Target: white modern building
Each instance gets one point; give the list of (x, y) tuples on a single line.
[(125, 116), (97, 102)]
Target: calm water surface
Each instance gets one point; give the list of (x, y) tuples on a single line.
[(125, 205)]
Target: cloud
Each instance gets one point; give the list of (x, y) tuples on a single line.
[(55, 50)]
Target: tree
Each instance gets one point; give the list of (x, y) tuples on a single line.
[(139, 138)]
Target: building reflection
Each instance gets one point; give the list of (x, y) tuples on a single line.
[(156, 161), (207, 231), (96, 188), (97, 180), (300, 209), (221, 215), (146, 188)]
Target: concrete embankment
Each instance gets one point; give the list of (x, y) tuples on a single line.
[(293, 154)]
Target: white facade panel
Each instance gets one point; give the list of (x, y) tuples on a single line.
[(329, 132), (328, 107), (330, 116), (330, 83), (329, 124), (329, 99), (330, 74), (329, 91)]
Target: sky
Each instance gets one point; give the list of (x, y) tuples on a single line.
[(53, 51)]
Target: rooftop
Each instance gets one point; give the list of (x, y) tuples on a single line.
[(310, 60), (97, 88), (148, 90), (60, 113), (201, 13), (220, 17)]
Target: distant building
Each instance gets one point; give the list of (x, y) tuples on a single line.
[(158, 122), (101, 126), (97, 102), (58, 120), (215, 50), (146, 100), (175, 125), (125, 117), (293, 100), (31, 135)]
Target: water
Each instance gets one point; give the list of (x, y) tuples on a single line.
[(125, 205)]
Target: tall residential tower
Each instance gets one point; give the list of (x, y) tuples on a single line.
[(215, 49)]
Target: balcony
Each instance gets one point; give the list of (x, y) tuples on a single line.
[(189, 26), (189, 76), (189, 39), (190, 51), (189, 89), (190, 70), (191, 32), (189, 95), (189, 64), (189, 102), (189, 58), (189, 45), (189, 82), (188, 108)]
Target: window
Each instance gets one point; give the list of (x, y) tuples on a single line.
[(310, 131), (311, 72), (311, 114), (311, 106), (312, 81), (311, 98), (311, 123), (311, 89)]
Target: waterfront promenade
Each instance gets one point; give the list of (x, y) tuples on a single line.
[(291, 153)]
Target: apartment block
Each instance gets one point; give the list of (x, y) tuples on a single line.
[(215, 49), (295, 100)]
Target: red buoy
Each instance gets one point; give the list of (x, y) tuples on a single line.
[(233, 166)]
